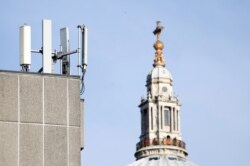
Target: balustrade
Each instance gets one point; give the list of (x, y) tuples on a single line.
[(165, 141)]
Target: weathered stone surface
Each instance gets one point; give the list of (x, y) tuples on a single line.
[(82, 123), (55, 146), (74, 103), (8, 97), (8, 144), (74, 146), (31, 101), (55, 100), (31, 145), (33, 119)]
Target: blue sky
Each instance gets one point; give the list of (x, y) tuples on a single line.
[(207, 50)]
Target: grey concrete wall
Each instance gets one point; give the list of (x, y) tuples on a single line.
[(40, 119)]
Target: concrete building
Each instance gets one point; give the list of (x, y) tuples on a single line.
[(161, 143), (40, 119)]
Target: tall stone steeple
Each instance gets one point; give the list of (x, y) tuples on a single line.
[(160, 111)]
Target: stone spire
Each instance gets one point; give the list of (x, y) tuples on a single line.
[(160, 112)]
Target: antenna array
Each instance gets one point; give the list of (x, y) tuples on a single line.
[(49, 57)]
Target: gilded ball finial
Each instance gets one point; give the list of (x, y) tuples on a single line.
[(158, 45)]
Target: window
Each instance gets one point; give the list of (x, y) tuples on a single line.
[(174, 117), (152, 119), (177, 124), (144, 120), (171, 119), (166, 117), (153, 158), (161, 118)]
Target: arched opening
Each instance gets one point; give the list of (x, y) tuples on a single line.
[(169, 142)]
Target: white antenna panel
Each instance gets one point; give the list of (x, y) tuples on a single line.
[(47, 47), (25, 45), (64, 37), (84, 47)]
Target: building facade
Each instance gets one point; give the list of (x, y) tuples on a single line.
[(161, 143), (40, 119)]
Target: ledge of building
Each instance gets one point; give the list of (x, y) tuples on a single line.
[(40, 74)]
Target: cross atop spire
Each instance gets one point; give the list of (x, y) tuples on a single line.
[(158, 29)]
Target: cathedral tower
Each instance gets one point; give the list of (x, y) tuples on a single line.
[(160, 139)]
